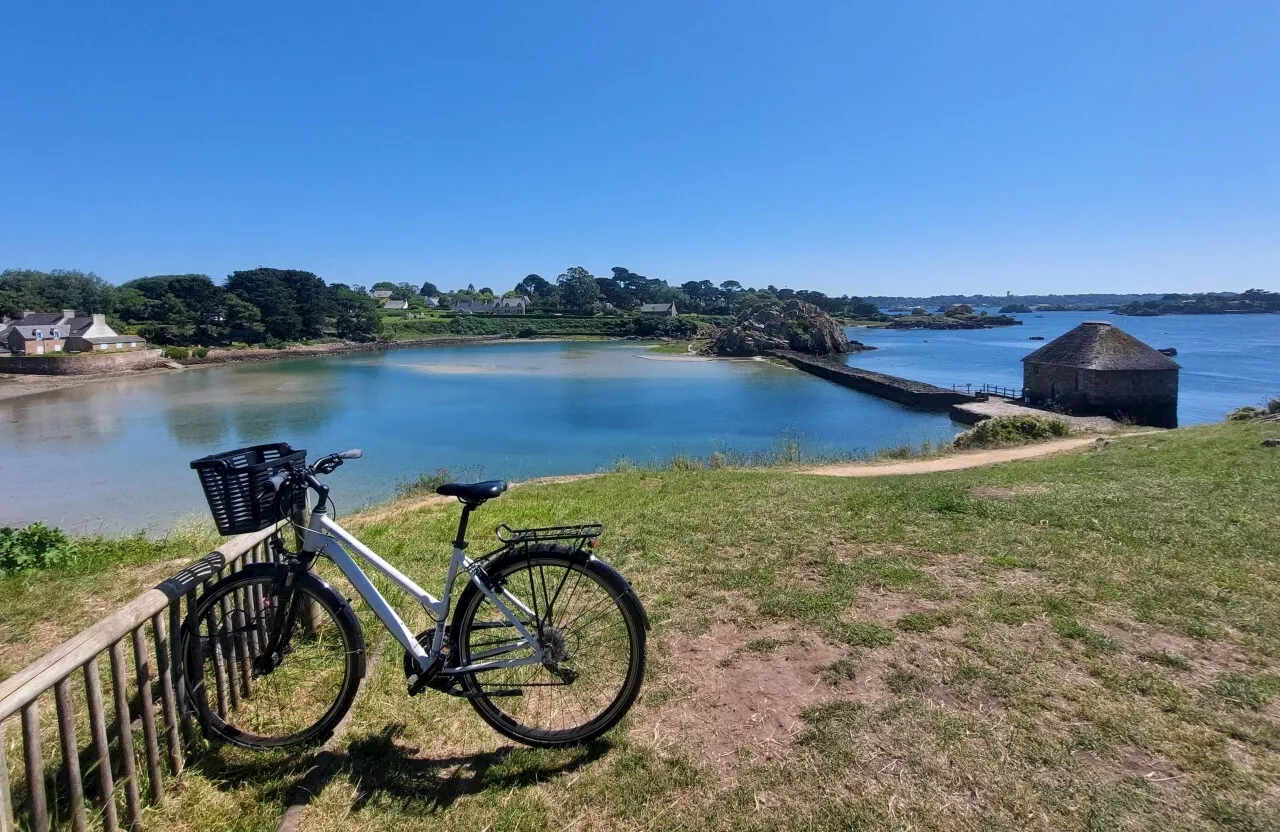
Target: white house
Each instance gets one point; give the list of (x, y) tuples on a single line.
[(668, 309), (44, 333)]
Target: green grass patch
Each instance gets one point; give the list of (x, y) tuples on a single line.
[(1008, 709)]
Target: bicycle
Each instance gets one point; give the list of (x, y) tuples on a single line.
[(546, 641)]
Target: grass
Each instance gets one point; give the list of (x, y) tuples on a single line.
[(1099, 651), (678, 347)]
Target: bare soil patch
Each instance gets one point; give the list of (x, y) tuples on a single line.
[(735, 694)]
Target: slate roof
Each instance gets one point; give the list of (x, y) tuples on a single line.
[(657, 307), (396, 304), (1097, 345)]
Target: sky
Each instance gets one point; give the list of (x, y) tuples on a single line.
[(886, 148)]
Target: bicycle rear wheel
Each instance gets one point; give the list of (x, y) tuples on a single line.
[(590, 621), (248, 698)]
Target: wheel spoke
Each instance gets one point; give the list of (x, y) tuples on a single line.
[(583, 628), (301, 692)]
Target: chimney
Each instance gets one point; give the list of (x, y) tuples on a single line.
[(68, 314), (27, 313), (99, 319)]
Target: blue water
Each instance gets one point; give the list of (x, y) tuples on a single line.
[(1227, 360), (113, 454)]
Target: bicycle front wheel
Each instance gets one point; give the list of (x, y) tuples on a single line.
[(251, 699), (589, 623)]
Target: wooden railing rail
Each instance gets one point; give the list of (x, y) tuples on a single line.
[(97, 751)]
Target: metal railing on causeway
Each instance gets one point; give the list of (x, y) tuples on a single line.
[(990, 390), (120, 747)]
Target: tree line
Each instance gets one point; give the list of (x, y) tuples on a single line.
[(578, 291), (255, 306), (265, 305)]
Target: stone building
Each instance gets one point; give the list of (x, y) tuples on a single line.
[(46, 333), (1101, 370)]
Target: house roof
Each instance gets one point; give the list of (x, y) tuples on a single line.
[(381, 293), (396, 304), (1097, 345), (657, 307), (111, 339)]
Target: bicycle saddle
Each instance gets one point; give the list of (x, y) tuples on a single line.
[(474, 493)]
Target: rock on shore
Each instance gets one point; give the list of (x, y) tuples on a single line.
[(790, 325)]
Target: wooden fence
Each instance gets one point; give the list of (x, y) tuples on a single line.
[(126, 747)]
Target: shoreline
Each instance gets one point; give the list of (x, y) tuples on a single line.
[(13, 386)]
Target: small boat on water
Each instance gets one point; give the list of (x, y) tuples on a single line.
[(1168, 351), (1036, 338)]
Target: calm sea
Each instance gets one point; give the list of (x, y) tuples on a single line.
[(1227, 360), (113, 455)]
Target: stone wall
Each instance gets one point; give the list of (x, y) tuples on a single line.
[(915, 394), (82, 364), (1147, 397)]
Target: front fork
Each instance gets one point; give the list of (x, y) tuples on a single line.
[(288, 600)]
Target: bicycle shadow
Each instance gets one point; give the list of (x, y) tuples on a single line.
[(377, 765)]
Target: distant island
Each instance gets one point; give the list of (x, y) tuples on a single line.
[(959, 316), (1050, 303), (1251, 302), (1028, 308)]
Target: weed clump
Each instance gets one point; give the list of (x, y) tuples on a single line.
[(1243, 414), (424, 484), (36, 547), (1011, 430)]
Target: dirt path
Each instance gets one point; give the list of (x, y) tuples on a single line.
[(953, 462)]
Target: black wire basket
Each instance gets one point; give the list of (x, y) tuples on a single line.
[(234, 484)]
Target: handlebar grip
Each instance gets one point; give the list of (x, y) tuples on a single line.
[(273, 485), (354, 453)]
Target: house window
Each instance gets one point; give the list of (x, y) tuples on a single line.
[(119, 345), (57, 348)]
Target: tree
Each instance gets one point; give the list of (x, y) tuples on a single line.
[(731, 286), (383, 286), (268, 290), (578, 289), (535, 287), (85, 292), (356, 315), (429, 290)]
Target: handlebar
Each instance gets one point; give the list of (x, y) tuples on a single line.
[(324, 465)]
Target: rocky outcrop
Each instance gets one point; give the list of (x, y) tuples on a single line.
[(790, 325)]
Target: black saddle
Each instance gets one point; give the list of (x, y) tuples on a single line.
[(473, 493)]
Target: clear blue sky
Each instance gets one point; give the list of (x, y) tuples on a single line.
[(869, 148)]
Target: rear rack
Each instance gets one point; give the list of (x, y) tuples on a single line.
[(582, 533)]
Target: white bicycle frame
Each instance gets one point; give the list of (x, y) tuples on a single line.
[(324, 536)]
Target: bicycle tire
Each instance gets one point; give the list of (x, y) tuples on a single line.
[(607, 579), (233, 599)]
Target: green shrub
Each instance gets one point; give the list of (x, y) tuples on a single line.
[(35, 547), (1273, 406), (527, 332), (1011, 430), (1243, 414), (200, 352), (424, 484), (177, 353)]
